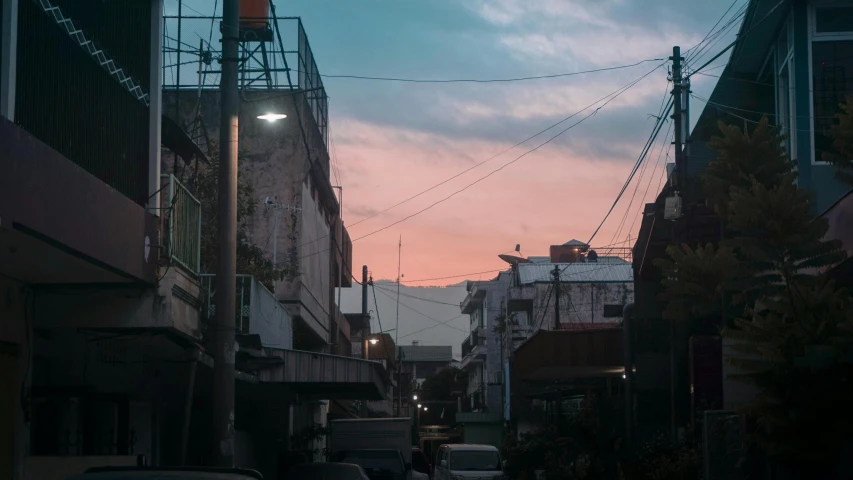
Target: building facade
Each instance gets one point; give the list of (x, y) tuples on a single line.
[(482, 350)]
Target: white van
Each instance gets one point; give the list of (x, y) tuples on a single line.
[(463, 461)]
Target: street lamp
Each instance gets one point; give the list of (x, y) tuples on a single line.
[(425, 409), (415, 396), (272, 117), (374, 341)]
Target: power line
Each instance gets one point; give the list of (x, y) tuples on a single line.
[(651, 177), (739, 39), (609, 98), (712, 28), (613, 96), (645, 150), (552, 126), (420, 298), (714, 37), (417, 311), (444, 323), (454, 276), (491, 80), (379, 320), (643, 171)]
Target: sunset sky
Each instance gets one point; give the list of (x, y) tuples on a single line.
[(393, 139)]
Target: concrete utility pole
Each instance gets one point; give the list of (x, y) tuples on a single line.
[(677, 110), (556, 274), (224, 346), (681, 179)]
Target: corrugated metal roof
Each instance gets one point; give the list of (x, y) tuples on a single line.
[(427, 353), (576, 272), (575, 243)]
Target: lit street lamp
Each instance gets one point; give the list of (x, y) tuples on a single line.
[(272, 117)]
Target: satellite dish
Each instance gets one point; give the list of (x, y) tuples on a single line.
[(592, 256)]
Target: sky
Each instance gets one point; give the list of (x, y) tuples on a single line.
[(391, 140)]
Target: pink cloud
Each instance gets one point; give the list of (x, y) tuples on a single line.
[(546, 198)]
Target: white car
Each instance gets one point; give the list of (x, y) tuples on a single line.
[(468, 462)]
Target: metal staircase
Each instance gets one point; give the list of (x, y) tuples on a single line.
[(98, 55)]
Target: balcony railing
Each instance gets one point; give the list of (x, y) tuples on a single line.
[(477, 338), (182, 217), (257, 311)]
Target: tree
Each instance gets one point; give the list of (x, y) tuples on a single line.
[(793, 330), (251, 259), (842, 141)]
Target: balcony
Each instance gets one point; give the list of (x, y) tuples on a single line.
[(257, 311), (181, 225), (474, 347), (474, 298)]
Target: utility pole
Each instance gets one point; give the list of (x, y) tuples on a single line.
[(556, 274), (397, 330), (226, 276), (681, 185)]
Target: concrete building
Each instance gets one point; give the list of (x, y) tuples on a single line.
[(592, 291), (482, 350), (103, 332), (420, 361)]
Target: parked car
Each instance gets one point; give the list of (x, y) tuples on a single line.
[(461, 461), (327, 471), (167, 473), (379, 464), (420, 464)]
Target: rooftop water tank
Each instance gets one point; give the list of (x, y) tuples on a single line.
[(254, 14)]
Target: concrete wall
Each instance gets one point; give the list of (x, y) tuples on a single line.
[(275, 157), (15, 366), (580, 303), (172, 305)]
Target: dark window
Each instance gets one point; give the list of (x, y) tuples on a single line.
[(611, 311), (833, 19), (832, 71)]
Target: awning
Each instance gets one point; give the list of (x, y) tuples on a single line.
[(176, 139), (314, 375)]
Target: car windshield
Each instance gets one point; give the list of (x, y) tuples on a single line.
[(475, 460), (383, 460)]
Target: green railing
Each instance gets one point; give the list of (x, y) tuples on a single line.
[(182, 214)]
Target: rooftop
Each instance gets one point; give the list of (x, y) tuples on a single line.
[(577, 272), (426, 353)]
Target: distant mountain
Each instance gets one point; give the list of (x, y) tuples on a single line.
[(422, 309)]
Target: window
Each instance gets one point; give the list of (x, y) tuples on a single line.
[(831, 70), (785, 105)]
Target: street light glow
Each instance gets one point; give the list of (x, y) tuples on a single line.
[(420, 406), (373, 341), (271, 117), (425, 409), (415, 397)]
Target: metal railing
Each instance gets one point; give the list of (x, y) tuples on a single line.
[(182, 214), (279, 57), (256, 311), (477, 338), (243, 310)]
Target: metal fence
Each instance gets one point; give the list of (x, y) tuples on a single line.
[(182, 213), (257, 311), (278, 57)]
